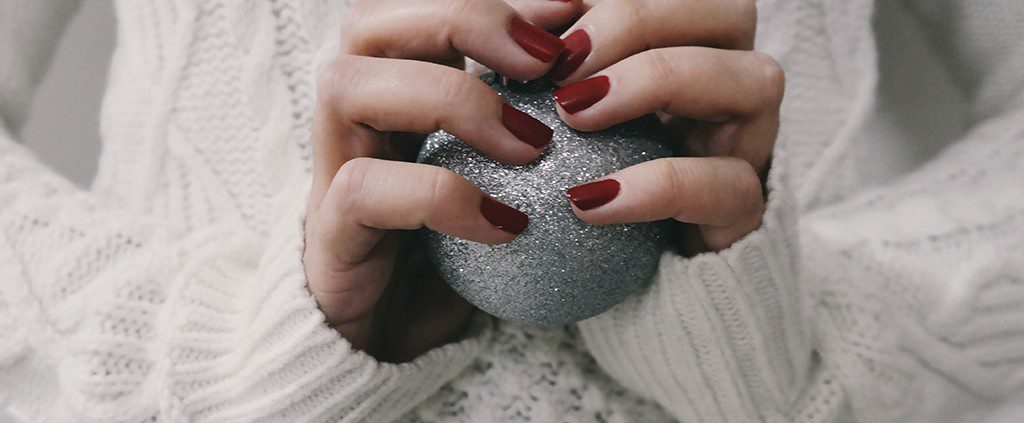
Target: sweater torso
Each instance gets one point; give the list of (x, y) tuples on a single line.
[(175, 290), (206, 123)]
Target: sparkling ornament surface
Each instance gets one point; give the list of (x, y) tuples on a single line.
[(561, 269)]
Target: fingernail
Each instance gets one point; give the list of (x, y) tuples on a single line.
[(594, 194), (583, 94), (525, 127), (538, 42), (577, 48), (503, 217)]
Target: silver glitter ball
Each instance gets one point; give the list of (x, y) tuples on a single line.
[(561, 269)]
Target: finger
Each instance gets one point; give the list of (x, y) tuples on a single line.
[(616, 29), (353, 226), (549, 14), (721, 194), (370, 196), (359, 98), (488, 31), (700, 83)]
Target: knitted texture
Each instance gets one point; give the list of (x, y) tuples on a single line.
[(173, 289)]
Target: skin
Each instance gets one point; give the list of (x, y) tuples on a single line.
[(689, 61)]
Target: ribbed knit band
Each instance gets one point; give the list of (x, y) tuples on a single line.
[(256, 348), (717, 337)]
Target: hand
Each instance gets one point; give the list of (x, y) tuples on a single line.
[(690, 62), (366, 197)]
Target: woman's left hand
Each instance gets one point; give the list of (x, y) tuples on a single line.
[(691, 62)]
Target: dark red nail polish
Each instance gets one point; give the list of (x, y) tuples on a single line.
[(538, 42), (577, 48), (525, 127), (583, 94), (594, 194), (503, 217)]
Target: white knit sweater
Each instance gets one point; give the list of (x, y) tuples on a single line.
[(173, 289)]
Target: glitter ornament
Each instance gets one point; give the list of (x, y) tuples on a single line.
[(561, 269)]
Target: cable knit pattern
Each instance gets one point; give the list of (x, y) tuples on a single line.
[(173, 288), (930, 307), (196, 329)]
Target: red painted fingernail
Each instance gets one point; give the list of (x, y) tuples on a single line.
[(525, 127), (594, 194), (503, 217), (583, 94), (577, 48), (538, 42)]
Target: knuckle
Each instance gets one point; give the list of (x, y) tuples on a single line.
[(664, 68), (674, 173), (748, 188), (453, 16), (458, 8), (638, 12), (350, 21), (455, 87), (746, 19), (333, 78), (773, 77), (349, 182), (326, 80), (443, 184), (361, 27)]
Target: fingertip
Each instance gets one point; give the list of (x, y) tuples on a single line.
[(500, 131), (500, 237), (503, 217), (539, 43), (595, 194), (514, 152), (526, 69), (526, 128), (580, 104), (510, 45), (590, 201), (594, 217), (577, 49), (581, 121)]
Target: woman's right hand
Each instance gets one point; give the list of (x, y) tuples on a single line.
[(399, 73)]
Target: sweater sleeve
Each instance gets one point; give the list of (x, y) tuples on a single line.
[(920, 286), (106, 316), (912, 291), (919, 305), (720, 336)]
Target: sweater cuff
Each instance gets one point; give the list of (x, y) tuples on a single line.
[(257, 348), (720, 336)]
